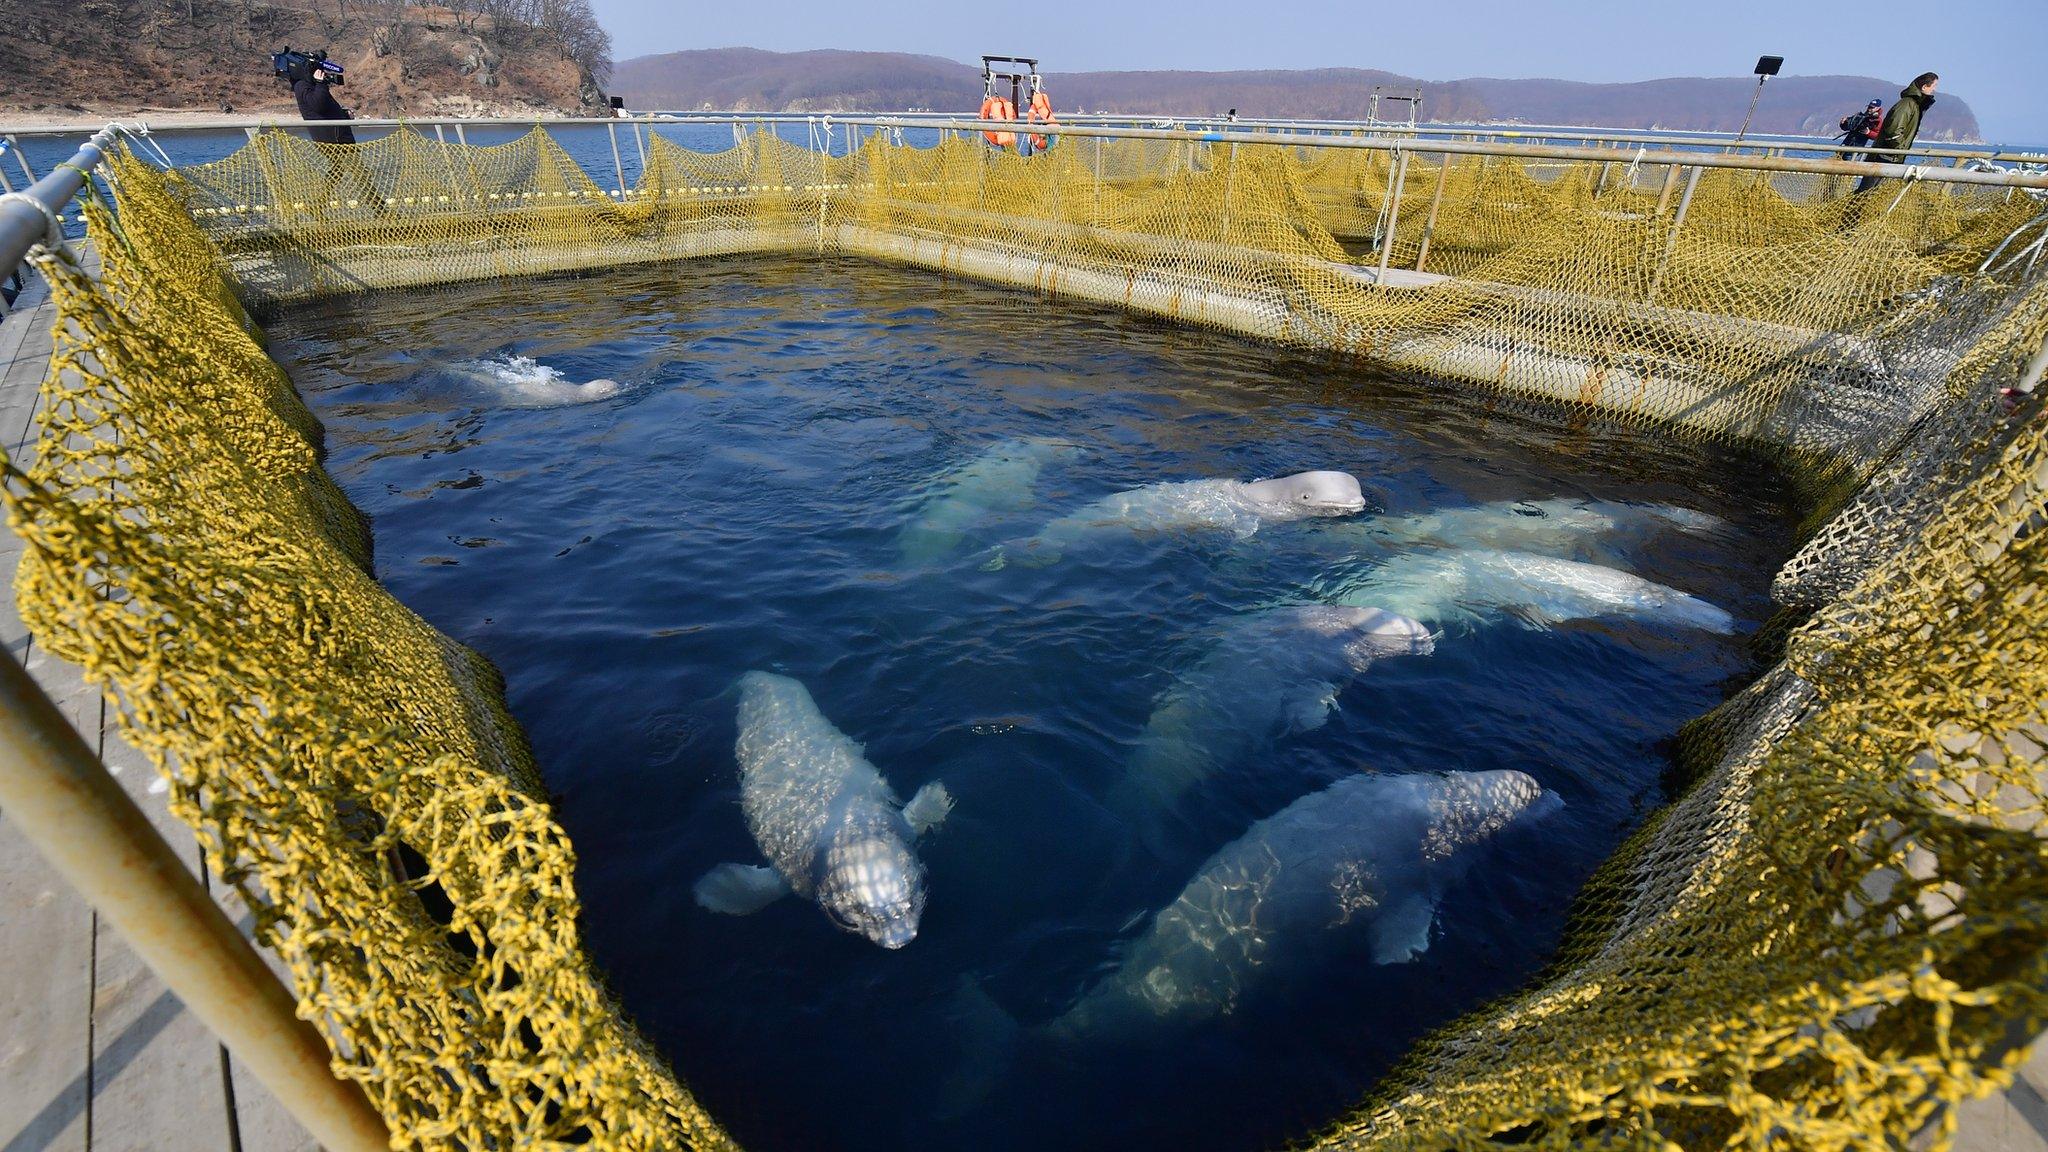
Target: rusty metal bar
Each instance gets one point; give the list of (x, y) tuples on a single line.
[(60, 798)]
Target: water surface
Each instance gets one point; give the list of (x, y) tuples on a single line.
[(734, 502)]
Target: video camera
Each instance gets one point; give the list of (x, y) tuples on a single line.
[(295, 66)]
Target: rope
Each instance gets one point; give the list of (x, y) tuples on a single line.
[(1912, 173), (140, 133)]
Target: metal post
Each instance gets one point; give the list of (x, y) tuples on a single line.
[(1098, 180), (476, 186), (448, 161), (618, 165), (640, 147), (63, 802), (1671, 241), (1436, 201), (21, 158), (1229, 187), (1670, 182), (1393, 216)]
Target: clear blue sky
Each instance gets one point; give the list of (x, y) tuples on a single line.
[(1990, 52)]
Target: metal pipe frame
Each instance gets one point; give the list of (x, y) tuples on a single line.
[(1237, 135), (1538, 133), (61, 799), (23, 225)]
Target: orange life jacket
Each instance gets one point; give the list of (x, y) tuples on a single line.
[(999, 108), (1041, 113)]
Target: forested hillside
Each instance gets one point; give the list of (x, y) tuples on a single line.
[(118, 57)]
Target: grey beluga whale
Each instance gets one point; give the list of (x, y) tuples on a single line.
[(1239, 507), (830, 826), (1371, 854), (1271, 674), (1474, 585), (1578, 529), (999, 479)]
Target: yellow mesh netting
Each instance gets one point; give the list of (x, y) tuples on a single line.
[(1839, 928)]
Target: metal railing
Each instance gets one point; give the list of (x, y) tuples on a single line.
[(1535, 133)]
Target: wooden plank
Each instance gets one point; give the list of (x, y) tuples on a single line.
[(46, 950), (45, 1004), (19, 362), (261, 1123), (159, 1082), (46, 929)]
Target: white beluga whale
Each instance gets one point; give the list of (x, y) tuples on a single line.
[(523, 382), (1475, 585), (998, 480), (1272, 674), (1371, 855), (832, 829), (1238, 507), (1578, 529)]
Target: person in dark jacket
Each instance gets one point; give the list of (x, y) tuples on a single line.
[(1902, 123), (316, 102)]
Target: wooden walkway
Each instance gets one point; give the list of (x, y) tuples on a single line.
[(95, 1054)]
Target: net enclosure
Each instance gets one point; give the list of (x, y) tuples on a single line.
[(1838, 930)]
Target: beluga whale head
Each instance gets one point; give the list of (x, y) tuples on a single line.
[(869, 881), (1308, 494), (1374, 633)]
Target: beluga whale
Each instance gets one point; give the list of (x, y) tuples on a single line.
[(1476, 585), (1000, 479), (1273, 673), (831, 828), (1576, 529), (1239, 507), (1369, 859)]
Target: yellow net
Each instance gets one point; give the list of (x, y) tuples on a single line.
[(1836, 931)]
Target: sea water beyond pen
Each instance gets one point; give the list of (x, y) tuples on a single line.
[(630, 489)]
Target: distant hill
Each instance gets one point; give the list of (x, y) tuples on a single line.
[(118, 57), (750, 79)]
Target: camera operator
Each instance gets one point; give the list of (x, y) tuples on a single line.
[(316, 102)]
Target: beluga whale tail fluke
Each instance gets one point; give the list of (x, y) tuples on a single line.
[(831, 828), (1237, 507)]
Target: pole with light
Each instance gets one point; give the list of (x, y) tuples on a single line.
[(1766, 67)]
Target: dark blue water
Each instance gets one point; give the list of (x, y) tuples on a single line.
[(735, 505)]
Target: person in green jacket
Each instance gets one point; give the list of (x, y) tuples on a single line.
[(1902, 123)]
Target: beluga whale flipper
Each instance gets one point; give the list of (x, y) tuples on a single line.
[(1370, 856), (830, 826), (1000, 479), (1238, 507), (1480, 584), (1272, 674)]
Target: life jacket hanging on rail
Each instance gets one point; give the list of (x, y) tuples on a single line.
[(1041, 113), (994, 107)]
